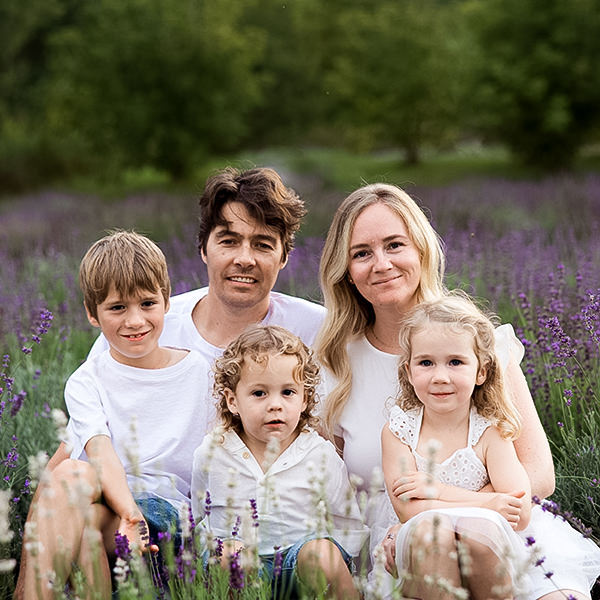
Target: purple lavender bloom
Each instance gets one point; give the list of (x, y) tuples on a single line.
[(236, 573), (254, 513), (207, 504), (277, 561), (122, 549)]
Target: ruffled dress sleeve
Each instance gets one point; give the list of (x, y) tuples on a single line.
[(405, 425), (508, 345)]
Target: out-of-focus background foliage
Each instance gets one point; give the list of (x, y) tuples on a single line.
[(154, 88)]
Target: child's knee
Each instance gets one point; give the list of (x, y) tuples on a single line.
[(323, 554)]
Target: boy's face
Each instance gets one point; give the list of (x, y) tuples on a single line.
[(132, 326), (269, 402), (243, 259)]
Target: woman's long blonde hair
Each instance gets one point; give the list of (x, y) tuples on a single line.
[(458, 312), (348, 313)]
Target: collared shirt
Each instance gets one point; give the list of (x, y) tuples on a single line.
[(305, 491)]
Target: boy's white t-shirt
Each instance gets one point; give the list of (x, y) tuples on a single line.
[(299, 316), (305, 491), (155, 419)]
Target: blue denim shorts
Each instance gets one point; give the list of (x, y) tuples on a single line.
[(285, 584), (162, 517)]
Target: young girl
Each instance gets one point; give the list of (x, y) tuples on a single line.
[(303, 512), (453, 476)]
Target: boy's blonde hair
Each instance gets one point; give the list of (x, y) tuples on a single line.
[(460, 314), (129, 261), (258, 343)]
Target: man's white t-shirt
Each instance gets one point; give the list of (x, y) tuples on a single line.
[(299, 316)]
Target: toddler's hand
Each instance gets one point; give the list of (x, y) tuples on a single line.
[(416, 484), (508, 505)]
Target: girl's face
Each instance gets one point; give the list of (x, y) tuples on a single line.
[(269, 402), (384, 264), (443, 368)]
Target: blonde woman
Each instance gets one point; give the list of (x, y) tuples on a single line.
[(381, 258)]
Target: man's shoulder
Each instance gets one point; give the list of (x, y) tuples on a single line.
[(285, 301), (185, 302), (300, 316)]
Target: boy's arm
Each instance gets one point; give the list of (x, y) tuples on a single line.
[(399, 469), (115, 490)]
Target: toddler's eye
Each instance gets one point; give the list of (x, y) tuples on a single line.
[(425, 363), (455, 362), (289, 392), (258, 393)]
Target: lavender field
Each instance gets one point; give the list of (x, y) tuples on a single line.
[(532, 248)]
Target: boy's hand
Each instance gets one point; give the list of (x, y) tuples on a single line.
[(137, 532), (416, 484), (508, 505)]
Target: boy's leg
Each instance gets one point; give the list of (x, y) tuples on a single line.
[(321, 565), (55, 529), (58, 457)]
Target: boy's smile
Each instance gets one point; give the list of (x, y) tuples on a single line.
[(269, 402), (132, 327)]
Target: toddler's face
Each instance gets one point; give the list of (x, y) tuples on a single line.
[(269, 401)]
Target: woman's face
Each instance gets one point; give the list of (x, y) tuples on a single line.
[(383, 263)]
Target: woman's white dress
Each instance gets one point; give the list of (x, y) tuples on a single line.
[(575, 566)]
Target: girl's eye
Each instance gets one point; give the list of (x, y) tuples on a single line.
[(288, 392), (425, 363), (258, 393), (455, 362)]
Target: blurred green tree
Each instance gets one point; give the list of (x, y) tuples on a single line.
[(156, 82), (536, 77), (397, 74)]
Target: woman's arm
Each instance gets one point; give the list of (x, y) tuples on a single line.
[(532, 445), (505, 471)]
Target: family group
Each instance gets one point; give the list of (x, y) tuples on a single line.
[(389, 432)]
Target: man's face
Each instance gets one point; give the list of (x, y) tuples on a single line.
[(243, 259)]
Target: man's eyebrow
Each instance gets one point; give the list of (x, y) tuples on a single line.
[(224, 231)]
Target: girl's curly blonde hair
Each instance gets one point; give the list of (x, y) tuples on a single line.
[(458, 311), (258, 343)]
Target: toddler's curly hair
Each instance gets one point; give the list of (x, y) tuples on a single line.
[(258, 343)]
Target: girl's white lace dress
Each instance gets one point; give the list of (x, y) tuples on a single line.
[(549, 541)]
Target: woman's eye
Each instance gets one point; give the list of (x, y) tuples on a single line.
[(396, 245), (359, 254)]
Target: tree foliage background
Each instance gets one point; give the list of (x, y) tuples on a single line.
[(114, 84)]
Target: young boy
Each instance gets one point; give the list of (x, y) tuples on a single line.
[(303, 506), (137, 412)]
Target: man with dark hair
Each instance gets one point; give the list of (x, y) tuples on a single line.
[(248, 220)]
